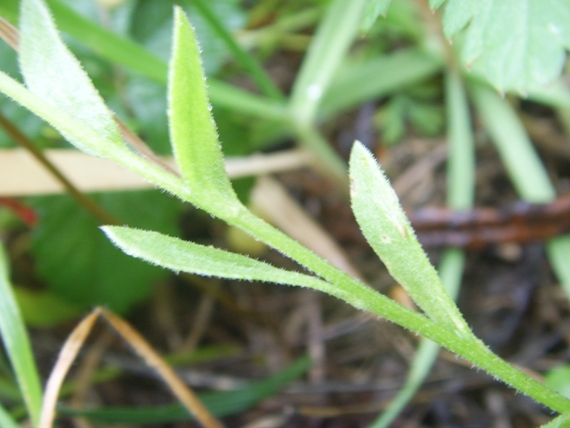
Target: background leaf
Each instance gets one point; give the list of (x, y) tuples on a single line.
[(81, 265), (373, 10), (517, 43)]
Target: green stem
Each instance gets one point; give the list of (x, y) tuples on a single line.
[(310, 138), (360, 295)]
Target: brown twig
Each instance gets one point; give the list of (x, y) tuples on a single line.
[(520, 223), (87, 203), (76, 340)]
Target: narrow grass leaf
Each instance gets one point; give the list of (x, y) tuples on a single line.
[(17, 344), (111, 46), (555, 95), (526, 170), (328, 48), (218, 403), (356, 83), (54, 74), (558, 251), (461, 161), (388, 231), (192, 128), (7, 421)]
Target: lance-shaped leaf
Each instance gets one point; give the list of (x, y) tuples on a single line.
[(192, 128), (54, 74), (183, 256), (388, 231), (17, 345)]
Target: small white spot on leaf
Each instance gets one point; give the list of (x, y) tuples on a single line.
[(314, 92)]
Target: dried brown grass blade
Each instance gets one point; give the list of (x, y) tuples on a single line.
[(9, 34), (66, 357), (24, 176), (151, 357), (75, 341)]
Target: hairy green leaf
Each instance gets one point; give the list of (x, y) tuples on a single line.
[(518, 43), (184, 256), (54, 74), (386, 228), (192, 128)]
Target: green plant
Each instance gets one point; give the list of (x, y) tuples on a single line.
[(72, 105)]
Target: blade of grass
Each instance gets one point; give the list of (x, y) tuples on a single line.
[(234, 98), (555, 95), (246, 60), (219, 404), (66, 357), (525, 168), (17, 344), (7, 421), (558, 251), (460, 196), (356, 83), (327, 50), (111, 46)]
